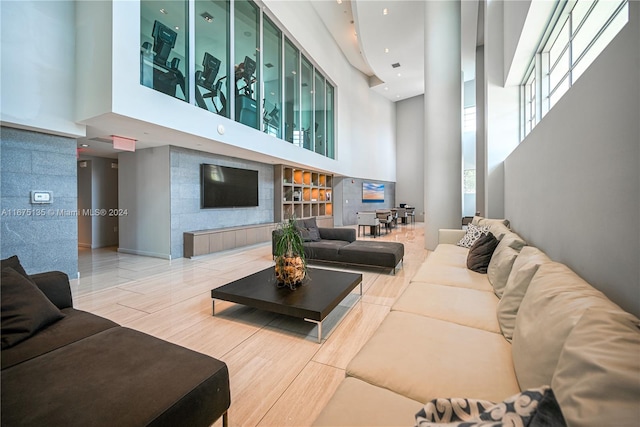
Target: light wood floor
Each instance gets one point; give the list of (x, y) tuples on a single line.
[(279, 374)]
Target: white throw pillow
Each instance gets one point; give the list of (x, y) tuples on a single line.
[(473, 233)]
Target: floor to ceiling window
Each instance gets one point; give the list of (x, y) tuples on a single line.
[(164, 46), (244, 67), (272, 77), (246, 54), (292, 93), (212, 55)]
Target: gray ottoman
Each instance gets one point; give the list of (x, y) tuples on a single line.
[(377, 254)]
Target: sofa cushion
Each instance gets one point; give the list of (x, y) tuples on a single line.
[(468, 307), (555, 301), (130, 378), (75, 326), (357, 403), (473, 233), (383, 254), (424, 358), (449, 254), (325, 250), (449, 275), (308, 229), (480, 220), (480, 253), (597, 380), (502, 261), (524, 267), (25, 309)]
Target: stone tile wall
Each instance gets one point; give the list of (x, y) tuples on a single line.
[(44, 236)]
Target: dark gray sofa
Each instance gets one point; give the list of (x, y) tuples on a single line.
[(339, 245), (85, 370)]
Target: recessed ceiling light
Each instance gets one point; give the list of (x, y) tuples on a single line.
[(386, 50), (84, 145), (399, 74), (397, 96), (385, 11), (386, 88), (177, 28), (164, 11), (339, 1)]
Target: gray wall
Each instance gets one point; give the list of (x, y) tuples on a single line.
[(144, 192), (186, 214), (348, 193), (572, 186), (35, 161), (98, 190)]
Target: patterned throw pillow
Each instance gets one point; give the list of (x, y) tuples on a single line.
[(535, 407), (474, 232)]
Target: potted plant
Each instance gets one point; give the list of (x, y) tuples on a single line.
[(291, 266)]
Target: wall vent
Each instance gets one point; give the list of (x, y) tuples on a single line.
[(395, 65)]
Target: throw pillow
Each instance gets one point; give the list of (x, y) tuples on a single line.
[(14, 262), (480, 253), (312, 226), (25, 309), (535, 407), (473, 233)]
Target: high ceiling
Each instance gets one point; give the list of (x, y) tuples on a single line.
[(375, 34)]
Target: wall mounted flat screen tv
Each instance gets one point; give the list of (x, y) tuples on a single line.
[(226, 187)]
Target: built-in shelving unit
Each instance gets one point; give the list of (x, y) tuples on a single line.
[(303, 193)]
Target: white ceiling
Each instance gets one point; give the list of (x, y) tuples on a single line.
[(363, 32), (372, 41)]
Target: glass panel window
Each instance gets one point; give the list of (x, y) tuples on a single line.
[(292, 93), (586, 27), (164, 46), (246, 57), (212, 55), (330, 130), (319, 113), (600, 43), (272, 75), (560, 45), (559, 72), (306, 108)]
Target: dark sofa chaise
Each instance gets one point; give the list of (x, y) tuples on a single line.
[(67, 367), (340, 245)]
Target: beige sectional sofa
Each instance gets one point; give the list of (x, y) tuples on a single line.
[(528, 322)]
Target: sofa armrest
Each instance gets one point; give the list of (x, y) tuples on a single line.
[(346, 234), (55, 285), (450, 236)]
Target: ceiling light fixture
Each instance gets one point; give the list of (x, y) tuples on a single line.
[(177, 28), (399, 74), (339, 1), (164, 11), (386, 50), (84, 145), (385, 11)]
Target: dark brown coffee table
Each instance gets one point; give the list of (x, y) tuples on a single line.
[(320, 293)]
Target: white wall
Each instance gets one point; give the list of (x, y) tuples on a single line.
[(501, 112), (38, 72), (573, 185), (144, 190)]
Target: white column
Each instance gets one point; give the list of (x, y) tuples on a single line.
[(443, 119)]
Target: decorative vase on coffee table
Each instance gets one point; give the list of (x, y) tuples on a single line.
[(291, 266)]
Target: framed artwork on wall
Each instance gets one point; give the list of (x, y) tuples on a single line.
[(372, 192)]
